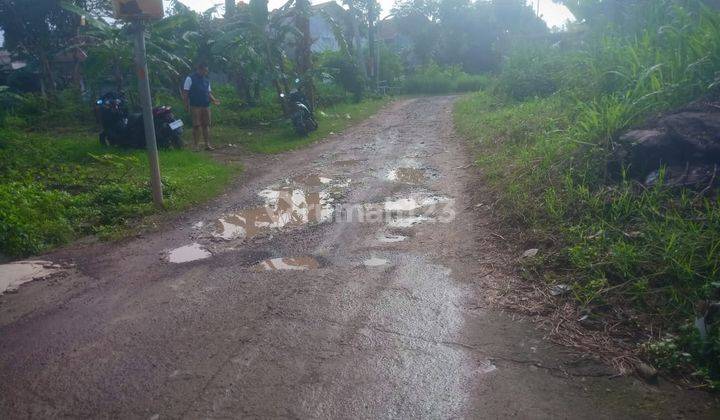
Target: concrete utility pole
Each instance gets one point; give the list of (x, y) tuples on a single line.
[(141, 70)]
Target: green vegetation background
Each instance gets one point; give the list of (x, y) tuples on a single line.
[(545, 136)]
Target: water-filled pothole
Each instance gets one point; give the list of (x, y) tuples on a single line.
[(294, 263), (285, 206), (13, 275), (188, 253), (407, 175)]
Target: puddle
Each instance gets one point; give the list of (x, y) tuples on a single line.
[(389, 238), (407, 175), (13, 275), (284, 207), (418, 208), (188, 253), (413, 203), (375, 262), (297, 264), (406, 221)]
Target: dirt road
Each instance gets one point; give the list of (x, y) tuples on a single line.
[(342, 280)]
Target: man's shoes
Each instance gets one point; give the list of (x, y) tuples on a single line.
[(208, 147)]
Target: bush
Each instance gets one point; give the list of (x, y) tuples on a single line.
[(34, 219), (546, 139), (533, 71), (433, 79)]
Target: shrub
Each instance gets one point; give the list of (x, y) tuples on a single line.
[(433, 79)]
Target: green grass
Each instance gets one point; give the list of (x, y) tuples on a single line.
[(546, 135), (56, 188), (656, 250), (280, 136)]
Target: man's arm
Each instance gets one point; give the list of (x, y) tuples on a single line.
[(186, 93), (212, 98)]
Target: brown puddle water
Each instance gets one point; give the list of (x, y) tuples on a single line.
[(284, 206), (312, 180), (296, 263), (407, 175)]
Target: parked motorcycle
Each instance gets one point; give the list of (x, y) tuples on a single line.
[(126, 129), (301, 115)]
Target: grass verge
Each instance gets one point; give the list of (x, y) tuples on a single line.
[(56, 187), (278, 138), (655, 252)]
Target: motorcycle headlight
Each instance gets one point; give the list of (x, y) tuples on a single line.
[(99, 102)]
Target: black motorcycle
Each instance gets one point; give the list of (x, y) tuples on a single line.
[(301, 115), (126, 129)]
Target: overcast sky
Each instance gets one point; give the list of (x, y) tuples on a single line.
[(554, 14)]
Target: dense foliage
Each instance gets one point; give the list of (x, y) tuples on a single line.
[(548, 133)]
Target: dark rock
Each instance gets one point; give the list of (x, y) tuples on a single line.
[(685, 142), (647, 372)]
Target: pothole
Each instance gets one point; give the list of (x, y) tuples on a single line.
[(13, 275), (188, 253), (295, 263), (417, 208), (407, 175), (285, 206)]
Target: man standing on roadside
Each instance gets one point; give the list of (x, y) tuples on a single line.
[(198, 96)]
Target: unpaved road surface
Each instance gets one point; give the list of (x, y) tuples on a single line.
[(344, 280)]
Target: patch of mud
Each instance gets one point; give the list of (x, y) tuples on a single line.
[(296, 264), (13, 275), (350, 162), (188, 253), (407, 175), (312, 180)]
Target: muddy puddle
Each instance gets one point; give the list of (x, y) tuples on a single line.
[(417, 208), (188, 253), (284, 206), (407, 175), (13, 275), (295, 264)]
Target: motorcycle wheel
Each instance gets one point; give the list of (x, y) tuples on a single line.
[(299, 124), (311, 124), (176, 139)]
